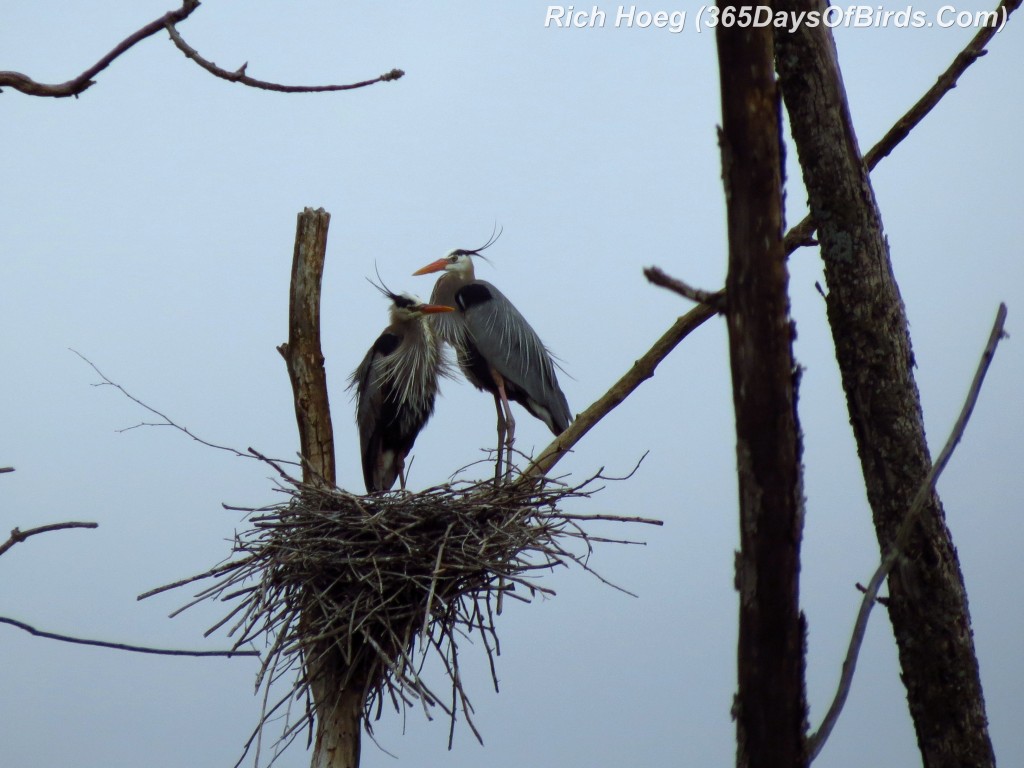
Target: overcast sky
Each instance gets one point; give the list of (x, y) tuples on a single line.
[(149, 225)]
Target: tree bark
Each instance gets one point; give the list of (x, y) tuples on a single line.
[(770, 707), (928, 602), (302, 352), (338, 693)]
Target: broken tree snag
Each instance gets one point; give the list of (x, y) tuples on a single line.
[(770, 707), (302, 351), (338, 692), (928, 601)]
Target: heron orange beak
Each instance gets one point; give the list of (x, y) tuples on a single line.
[(434, 266), (435, 309)]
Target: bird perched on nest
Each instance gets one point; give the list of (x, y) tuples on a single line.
[(395, 389), (497, 350)]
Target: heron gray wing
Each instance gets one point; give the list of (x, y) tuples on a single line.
[(508, 343)]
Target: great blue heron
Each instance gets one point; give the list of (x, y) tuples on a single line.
[(395, 389), (496, 348)]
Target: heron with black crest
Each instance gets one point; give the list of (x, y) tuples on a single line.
[(496, 348), (396, 384)]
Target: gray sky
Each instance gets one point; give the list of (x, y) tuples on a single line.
[(149, 225)]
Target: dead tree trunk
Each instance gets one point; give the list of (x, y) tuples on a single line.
[(770, 707), (338, 693), (928, 606)]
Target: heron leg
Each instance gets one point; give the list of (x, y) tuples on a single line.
[(504, 414), (400, 461), (501, 440)]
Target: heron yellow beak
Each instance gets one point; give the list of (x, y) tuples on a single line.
[(434, 266), (435, 309)]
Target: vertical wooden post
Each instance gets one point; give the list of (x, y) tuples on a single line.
[(338, 696), (770, 707)]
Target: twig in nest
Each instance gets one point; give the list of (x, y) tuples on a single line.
[(384, 581)]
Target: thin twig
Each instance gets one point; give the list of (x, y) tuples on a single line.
[(433, 583), (802, 233), (239, 76), (18, 536), (169, 422), (818, 739), (120, 646), (77, 85)]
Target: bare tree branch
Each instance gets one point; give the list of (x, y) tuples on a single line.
[(946, 82), (716, 300), (4, 470), (239, 76), (119, 646), (77, 85), (642, 370), (18, 536), (168, 422), (818, 739), (802, 233)]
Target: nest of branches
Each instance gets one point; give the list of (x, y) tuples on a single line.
[(378, 584)]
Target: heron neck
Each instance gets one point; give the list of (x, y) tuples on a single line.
[(447, 285)]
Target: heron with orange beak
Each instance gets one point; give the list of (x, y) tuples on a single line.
[(497, 350), (396, 384)]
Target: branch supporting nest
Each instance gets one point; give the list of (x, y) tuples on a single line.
[(383, 582)]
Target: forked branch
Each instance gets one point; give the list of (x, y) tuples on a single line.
[(77, 85)]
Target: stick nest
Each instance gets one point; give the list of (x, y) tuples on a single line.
[(376, 584)]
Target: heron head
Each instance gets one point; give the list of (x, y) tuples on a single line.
[(407, 306), (460, 261)]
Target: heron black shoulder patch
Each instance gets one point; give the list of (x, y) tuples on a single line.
[(472, 295), (386, 343)]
